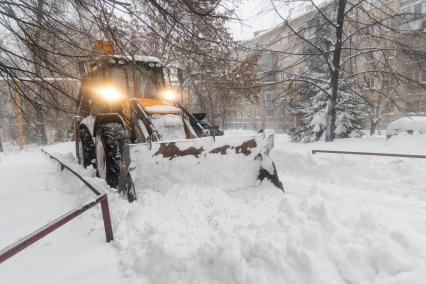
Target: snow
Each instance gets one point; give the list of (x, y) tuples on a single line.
[(33, 192), (145, 58), (228, 172), (408, 123), (170, 126), (161, 109), (139, 58), (343, 219), (89, 121)]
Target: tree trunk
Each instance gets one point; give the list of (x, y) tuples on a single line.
[(225, 111), (372, 126), (331, 118), (372, 129), (41, 130), (199, 96), (334, 79), (1, 145), (212, 112)]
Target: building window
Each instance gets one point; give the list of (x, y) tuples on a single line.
[(270, 112), (241, 114), (369, 58), (417, 8), (413, 7), (351, 10), (412, 106), (371, 82), (387, 80), (257, 113), (388, 108), (267, 96), (248, 113), (282, 76), (309, 33), (391, 53), (420, 76), (367, 5)]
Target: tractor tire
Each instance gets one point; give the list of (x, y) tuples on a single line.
[(110, 140), (86, 148)]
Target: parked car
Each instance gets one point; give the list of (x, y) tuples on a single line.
[(409, 124)]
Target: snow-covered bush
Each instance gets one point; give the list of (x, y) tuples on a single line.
[(313, 118)]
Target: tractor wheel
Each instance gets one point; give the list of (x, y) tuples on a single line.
[(86, 148), (110, 139)]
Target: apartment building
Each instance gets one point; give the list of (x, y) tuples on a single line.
[(280, 55)]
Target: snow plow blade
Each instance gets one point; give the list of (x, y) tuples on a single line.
[(227, 162)]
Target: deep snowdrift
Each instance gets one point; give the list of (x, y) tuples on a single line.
[(343, 219)]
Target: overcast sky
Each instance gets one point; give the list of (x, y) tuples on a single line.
[(256, 15), (260, 15)]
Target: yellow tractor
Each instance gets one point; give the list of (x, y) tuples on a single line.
[(132, 130)]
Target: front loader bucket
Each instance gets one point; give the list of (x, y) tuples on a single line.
[(227, 162)]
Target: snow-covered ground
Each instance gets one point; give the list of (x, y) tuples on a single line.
[(343, 219), (34, 192)]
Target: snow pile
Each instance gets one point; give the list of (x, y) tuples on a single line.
[(407, 124), (343, 219), (202, 162), (169, 126), (330, 227)]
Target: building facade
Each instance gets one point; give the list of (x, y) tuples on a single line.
[(281, 55)]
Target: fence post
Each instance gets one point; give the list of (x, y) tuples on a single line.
[(107, 219)]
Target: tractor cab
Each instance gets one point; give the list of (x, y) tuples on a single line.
[(109, 80)]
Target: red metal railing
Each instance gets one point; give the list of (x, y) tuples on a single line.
[(101, 198), (369, 154)]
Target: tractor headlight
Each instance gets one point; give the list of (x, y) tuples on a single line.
[(109, 94), (169, 95)]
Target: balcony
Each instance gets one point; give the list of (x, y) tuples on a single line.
[(268, 62)]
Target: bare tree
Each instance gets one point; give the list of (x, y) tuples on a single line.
[(203, 53), (357, 30), (50, 37)]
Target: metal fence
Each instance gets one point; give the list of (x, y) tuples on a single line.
[(101, 198), (369, 154)]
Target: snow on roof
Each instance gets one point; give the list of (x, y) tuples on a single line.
[(139, 58), (413, 123), (161, 109), (145, 58)]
